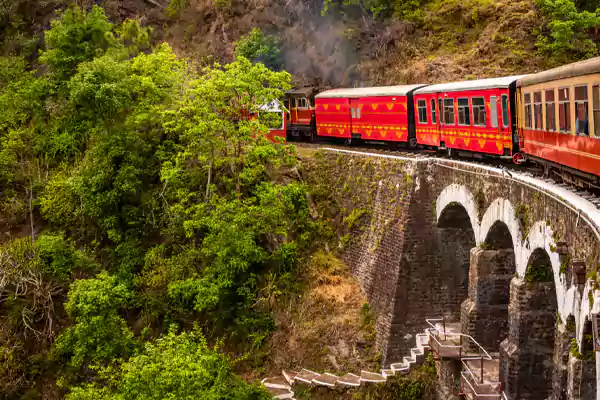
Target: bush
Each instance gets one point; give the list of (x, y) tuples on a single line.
[(567, 33), (174, 367), (258, 47), (99, 333)]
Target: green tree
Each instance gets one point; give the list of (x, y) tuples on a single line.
[(75, 37), (567, 36), (174, 367), (258, 47), (99, 333)]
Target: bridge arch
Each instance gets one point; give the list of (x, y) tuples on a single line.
[(459, 194)]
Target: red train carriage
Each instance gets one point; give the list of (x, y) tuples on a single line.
[(301, 116), (474, 116), (375, 113), (559, 120)]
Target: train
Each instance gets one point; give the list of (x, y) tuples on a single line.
[(550, 118)]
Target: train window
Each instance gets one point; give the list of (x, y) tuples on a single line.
[(581, 111), (479, 116), (464, 117), (596, 108), (302, 103), (505, 120), (494, 111), (527, 102), (293, 102), (537, 111), (422, 106), (449, 111), (433, 114), (357, 112), (352, 113), (441, 110), (550, 110), (564, 110)]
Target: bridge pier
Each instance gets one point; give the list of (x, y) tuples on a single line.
[(448, 378), (527, 354), (581, 384), (564, 335), (484, 314)]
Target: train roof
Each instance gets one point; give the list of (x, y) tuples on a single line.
[(580, 68), (400, 90), (479, 84)]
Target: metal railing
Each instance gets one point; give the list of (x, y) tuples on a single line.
[(461, 337), (477, 385)]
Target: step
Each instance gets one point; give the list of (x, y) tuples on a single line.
[(326, 379), (387, 372), (417, 355), (409, 361), (281, 393), (349, 380), (400, 367), (366, 376), (423, 341), (289, 376), (306, 376), (276, 383)]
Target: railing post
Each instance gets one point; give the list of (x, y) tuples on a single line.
[(481, 372), (460, 348), (444, 326)]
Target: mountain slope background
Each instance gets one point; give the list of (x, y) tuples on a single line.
[(354, 42)]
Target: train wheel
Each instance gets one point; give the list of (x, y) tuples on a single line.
[(348, 141), (450, 152), (413, 143)]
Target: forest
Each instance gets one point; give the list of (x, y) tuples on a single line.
[(141, 213), (150, 230)]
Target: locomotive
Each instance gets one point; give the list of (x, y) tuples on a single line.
[(551, 118)]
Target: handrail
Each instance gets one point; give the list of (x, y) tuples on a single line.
[(491, 395), (429, 321), (472, 374)]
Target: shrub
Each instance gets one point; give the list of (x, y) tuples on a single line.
[(174, 367)]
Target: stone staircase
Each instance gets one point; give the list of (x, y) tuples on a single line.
[(282, 387), (479, 375)]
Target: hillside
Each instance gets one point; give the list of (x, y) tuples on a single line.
[(357, 42), (154, 243)]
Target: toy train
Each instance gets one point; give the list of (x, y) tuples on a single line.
[(551, 118)]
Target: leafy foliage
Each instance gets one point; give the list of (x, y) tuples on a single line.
[(99, 333), (174, 367), (117, 156), (568, 30), (258, 47)]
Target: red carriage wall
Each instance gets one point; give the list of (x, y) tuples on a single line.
[(373, 118), (467, 127)]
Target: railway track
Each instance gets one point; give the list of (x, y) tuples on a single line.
[(590, 194)]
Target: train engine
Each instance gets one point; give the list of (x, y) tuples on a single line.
[(301, 121)]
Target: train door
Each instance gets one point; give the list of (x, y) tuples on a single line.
[(356, 128), (436, 118), (293, 110), (443, 119), (496, 122)]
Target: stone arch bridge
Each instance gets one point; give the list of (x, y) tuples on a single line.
[(507, 258)]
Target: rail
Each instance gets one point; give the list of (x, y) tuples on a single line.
[(478, 394), (477, 384), (431, 322)]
